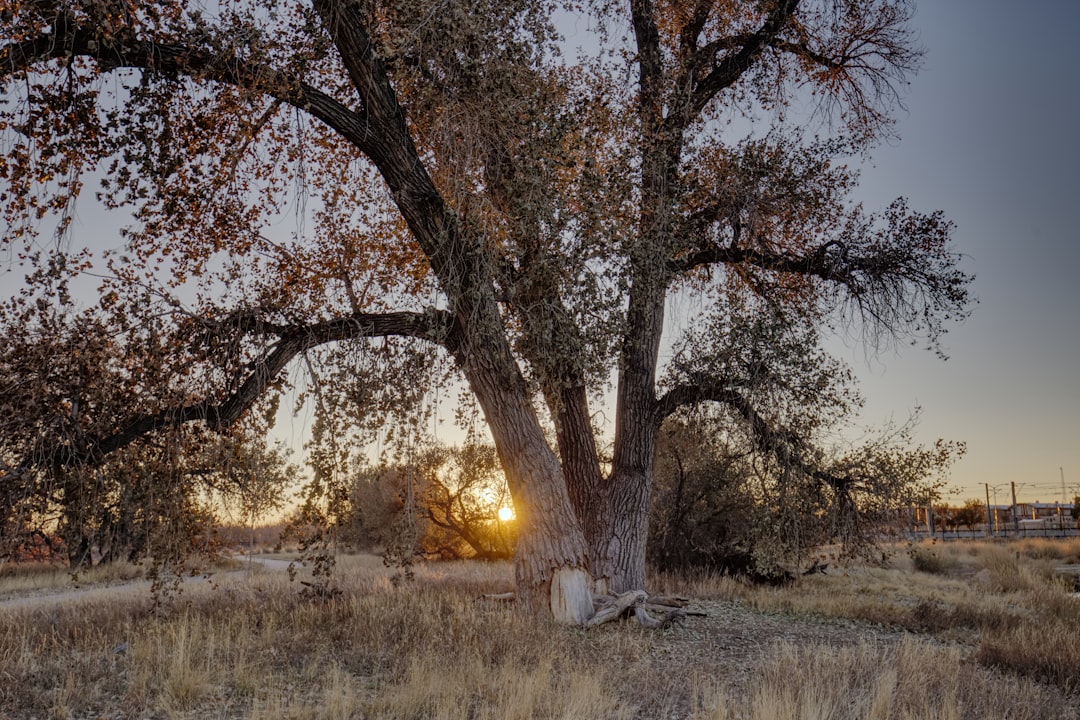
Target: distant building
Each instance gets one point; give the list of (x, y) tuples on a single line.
[(1030, 516), (1047, 513)]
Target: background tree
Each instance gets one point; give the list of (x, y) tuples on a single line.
[(468, 188), (462, 498), (454, 510), (972, 513), (945, 518), (719, 505)]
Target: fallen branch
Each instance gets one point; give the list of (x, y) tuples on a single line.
[(499, 597), (669, 601), (672, 617), (618, 606)]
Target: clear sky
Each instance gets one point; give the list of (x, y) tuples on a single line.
[(990, 136)]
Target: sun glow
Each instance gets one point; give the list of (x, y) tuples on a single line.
[(506, 514)]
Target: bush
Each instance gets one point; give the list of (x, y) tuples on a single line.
[(928, 560)]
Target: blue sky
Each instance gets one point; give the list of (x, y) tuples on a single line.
[(990, 137)]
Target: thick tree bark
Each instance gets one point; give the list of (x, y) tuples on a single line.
[(551, 568), (586, 485), (629, 489)]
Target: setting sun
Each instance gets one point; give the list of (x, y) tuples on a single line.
[(506, 514)]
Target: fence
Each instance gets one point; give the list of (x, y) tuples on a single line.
[(1003, 532)]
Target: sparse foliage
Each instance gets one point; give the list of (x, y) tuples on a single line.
[(718, 505), (456, 497)]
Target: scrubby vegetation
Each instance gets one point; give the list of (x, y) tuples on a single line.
[(993, 635)]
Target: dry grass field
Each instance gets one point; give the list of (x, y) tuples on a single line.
[(972, 630)]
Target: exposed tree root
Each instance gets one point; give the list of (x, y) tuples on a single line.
[(634, 603), (609, 608), (641, 605)]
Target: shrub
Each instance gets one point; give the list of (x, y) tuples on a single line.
[(929, 560)]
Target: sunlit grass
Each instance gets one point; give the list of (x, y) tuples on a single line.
[(1002, 599), (993, 637), (16, 578), (914, 679)]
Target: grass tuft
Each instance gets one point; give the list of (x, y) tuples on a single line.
[(931, 560), (913, 679)]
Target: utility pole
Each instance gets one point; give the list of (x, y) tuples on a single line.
[(1016, 517), (989, 521), (1064, 500)]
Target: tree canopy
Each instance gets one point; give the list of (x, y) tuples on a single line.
[(465, 197)]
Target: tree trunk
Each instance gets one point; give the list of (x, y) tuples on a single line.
[(613, 511), (620, 540), (628, 491), (551, 568)]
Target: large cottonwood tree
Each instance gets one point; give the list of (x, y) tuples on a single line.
[(460, 182)]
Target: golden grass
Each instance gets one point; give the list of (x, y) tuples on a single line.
[(1004, 600), (17, 578), (914, 679), (958, 645)]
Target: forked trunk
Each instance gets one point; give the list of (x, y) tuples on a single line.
[(613, 510)]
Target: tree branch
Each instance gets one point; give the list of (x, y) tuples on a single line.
[(785, 446), (69, 39), (433, 224), (433, 325), (821, 262), (900, 276), (731, 68)]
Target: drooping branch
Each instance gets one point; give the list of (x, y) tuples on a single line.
[(788, 448), (859, 473), (221, 413), (68, 38)]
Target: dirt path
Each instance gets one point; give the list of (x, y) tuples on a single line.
[(99, 593)]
